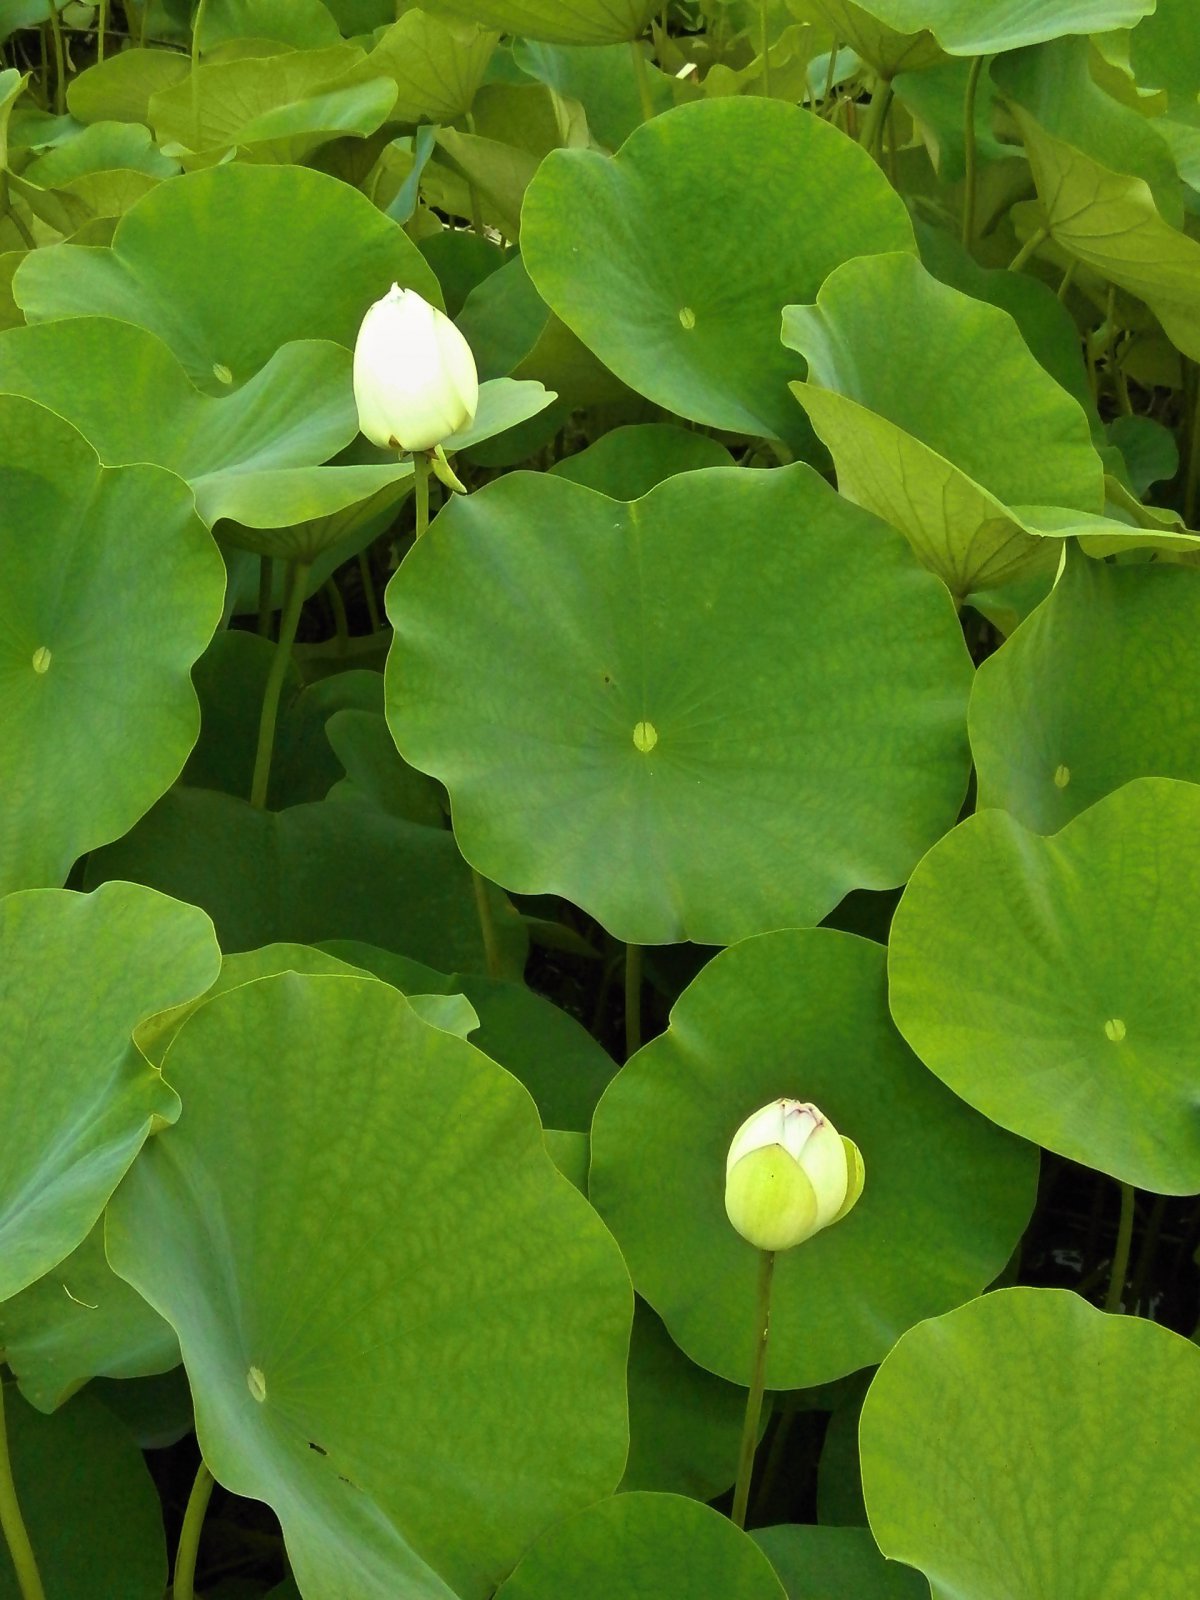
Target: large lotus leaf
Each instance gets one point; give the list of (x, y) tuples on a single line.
[(713, 216), (1108, 220), (967, 28), (576, 22), (684, 1424), (303, 24), (336, 869), (88, 1502), (1164, 51), (1093, 689), (939, 418), (278, 107), (857, 27), (436, 63), (638, 1544), (816, 1563), (557, 1060), (1054, 84), (77, 1101), (120, 88), (252, 455), (628, 462), (80, 1322), (1047, 981), (378, 1280), (228, 264), (98, 635), (801, 1013), (1024, 1445), (706, 731)]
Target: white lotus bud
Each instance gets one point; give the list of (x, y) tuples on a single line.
[(789, 1174), (415, 382)]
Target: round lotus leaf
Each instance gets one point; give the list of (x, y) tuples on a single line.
[(627, 463), (80, 1322), (77, 1100), (940, 419), (1047, 981), (817, 1563), (1047, 1464), (228, 264), (642, 1547), (803, 1014), (1092, 690), (685, 1425), (403, 1328), (88, 1502), (578, 22), (678, 713), (98, 636), (713, 216), (967, 28)]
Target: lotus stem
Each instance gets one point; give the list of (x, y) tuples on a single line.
[(633, 999), (184, 1580), (1120, 1265), (970, 153), (23, 1559), (643, 80), (296, 585), (754, 1400)]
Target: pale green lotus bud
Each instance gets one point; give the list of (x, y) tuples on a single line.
[(789, 1174), (415, 382)]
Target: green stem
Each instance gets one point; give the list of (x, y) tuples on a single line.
[(487, 925), (643, 80), (184, 1581), (60, 60), (1034, 242), (1192, 483), (969, 152), (7, 210), (762, 1326), (421, 486), (101, 30), (872, 128), (23, 1559), (1141, 1275), (197, 24), (143, 22), (296, 584), (368, 583), (1120, 1265), (341, 623), (476, 204), (633, 999), (833, 55), (266, 585), (764, 39), (1068, 279)]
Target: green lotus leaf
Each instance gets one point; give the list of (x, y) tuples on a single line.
[(302, 24), (1164, 51), (713, 216), (271, 108), (706, 730), (79, 1322), (685, 1425), (120, 88), (578, 22), (628, 462), (801, 1013), (644, 1544), (1109, 221), (554, 1056), (814, 1562), (415, 1415), (940, 420), (374, 770), (77, 1101), (436, 63), (1092, 690), (337, 869), (858, 26), (98, 720), (102, 147), (228, 264), (1072, 1021), (1045, 1467), (966, 28), (601, 80), (88, 1502)]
